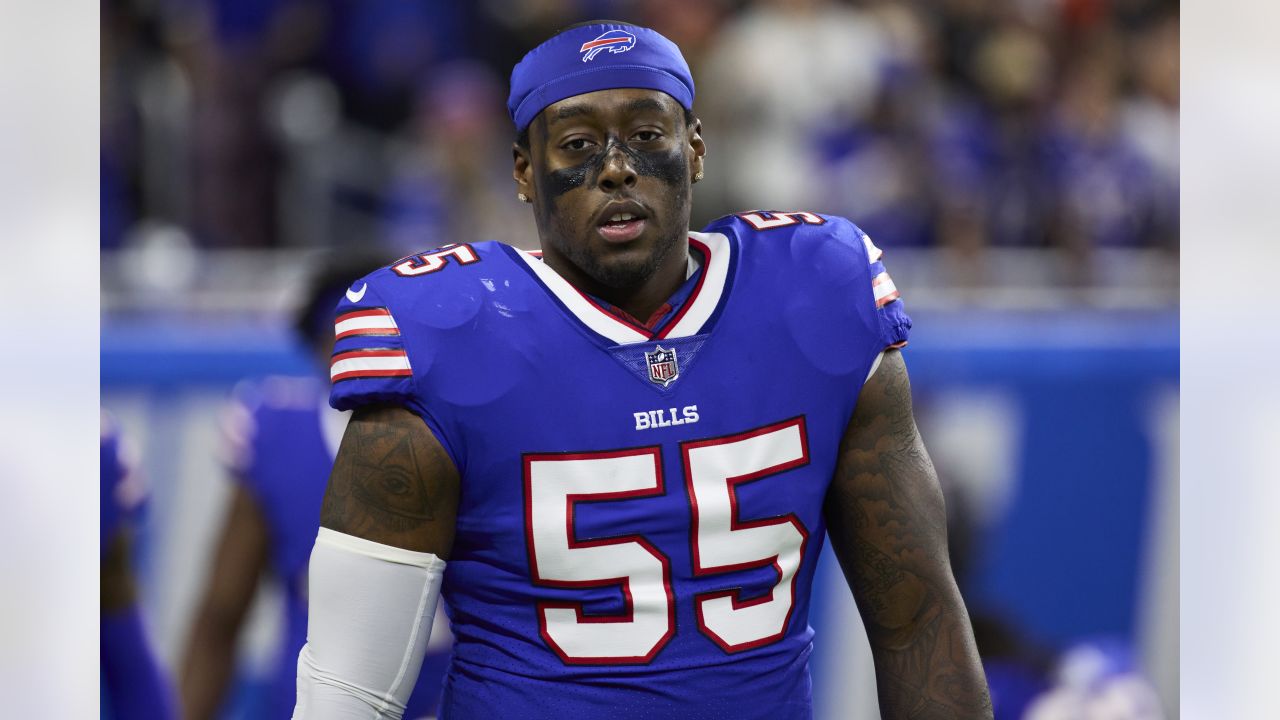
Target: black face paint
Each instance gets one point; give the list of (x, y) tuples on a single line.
[(565, 222), (668, 166), (559, 182)]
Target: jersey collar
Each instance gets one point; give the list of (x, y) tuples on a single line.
[(693, 317)]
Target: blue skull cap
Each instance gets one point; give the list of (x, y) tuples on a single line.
[(597, 57)]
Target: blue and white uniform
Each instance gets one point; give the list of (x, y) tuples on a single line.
[(641, 509)]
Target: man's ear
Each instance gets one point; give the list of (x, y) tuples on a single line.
[(522, 170), (698, 147)]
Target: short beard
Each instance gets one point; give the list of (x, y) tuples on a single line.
[(619, 276)]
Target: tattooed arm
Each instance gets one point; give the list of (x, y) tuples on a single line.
[(392, 483), (387, 525), (887, 525)]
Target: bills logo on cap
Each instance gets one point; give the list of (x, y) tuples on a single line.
[(615, 41), (663, 368)]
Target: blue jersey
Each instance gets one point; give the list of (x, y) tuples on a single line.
[(133, 685), (641, 509), (281, 442)]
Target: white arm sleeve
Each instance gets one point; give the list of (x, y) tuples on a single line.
[(875, 365), (370, 612)]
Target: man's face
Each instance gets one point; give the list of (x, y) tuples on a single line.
[(609, 173)]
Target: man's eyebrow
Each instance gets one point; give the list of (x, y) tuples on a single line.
[(643, 104), (568, 111), (638, 105)]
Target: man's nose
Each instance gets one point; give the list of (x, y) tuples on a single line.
[(617, 171)]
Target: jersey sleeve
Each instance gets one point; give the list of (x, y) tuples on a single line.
[(891, 314), (370, 364), (876, 299)]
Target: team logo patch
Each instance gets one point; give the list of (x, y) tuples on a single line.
[(615, 41), (663, 366)]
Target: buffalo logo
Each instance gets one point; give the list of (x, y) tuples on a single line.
[(663, 367), (615, 41)]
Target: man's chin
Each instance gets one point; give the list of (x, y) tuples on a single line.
[(620, 266), (623, 270), (617, 266)]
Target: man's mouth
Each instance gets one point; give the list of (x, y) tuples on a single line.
[(622, 227)]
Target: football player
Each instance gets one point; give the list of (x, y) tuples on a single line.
[(629, 450), (133, 685), (280, 440)]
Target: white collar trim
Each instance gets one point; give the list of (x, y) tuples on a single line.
[(695, 312)]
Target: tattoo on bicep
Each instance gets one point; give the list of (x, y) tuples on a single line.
[(379, 480), (896, 499), (390, 488)]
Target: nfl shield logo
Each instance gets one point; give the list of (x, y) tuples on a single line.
[(663, 368)]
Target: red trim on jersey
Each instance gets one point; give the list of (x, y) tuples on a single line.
[(364, 312), (688, 302), (779, 219), (888, 299), (384, 332), (351, 374), (628, 614), (735, 523), (372, 352), (381, 372), (622, 318), (436, 260)]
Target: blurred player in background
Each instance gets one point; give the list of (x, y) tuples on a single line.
[(630, 450), (133, 686), (281, 439)]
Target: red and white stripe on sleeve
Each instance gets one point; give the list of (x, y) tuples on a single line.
[(370, 363), (881, 284), (366, 321), (375, 359), (883, 288)]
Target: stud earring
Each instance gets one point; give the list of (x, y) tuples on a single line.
[(698, 176), (522, 197)]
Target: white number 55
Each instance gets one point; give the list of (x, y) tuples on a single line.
[(721, 543)]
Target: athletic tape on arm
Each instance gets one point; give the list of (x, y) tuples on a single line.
[(370, 612)]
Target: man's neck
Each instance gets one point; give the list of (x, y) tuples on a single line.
[(643, 301), (640, 301)]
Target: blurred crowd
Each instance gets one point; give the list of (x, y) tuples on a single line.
[(962, 124)]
